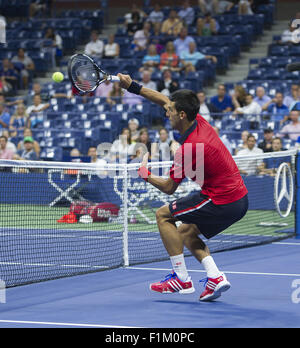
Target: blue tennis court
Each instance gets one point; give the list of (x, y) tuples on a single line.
[(265, 293)]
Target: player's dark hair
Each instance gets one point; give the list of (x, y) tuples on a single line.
[(187, 101)]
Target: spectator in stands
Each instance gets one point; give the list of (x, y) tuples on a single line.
[(141, 37), (146, 80), (249, 167), (57, 45), (251, 108), (75, 152), (172, 25), (92, 153), (129, 17), (9, 145), (167, 85), (115, 95), (169, 59), (182, 43), (261, 97), (112, 48), (95, 47), (224, 140), (164, 149), (243, 144), (27, 66), (275, 106), (8, 76), (288, 36), (36, 111), (133, 125), (5, 153), (225, 6), (207, 26), (144, 139), (28, 133), (37, 89), (190, 58), (239, 96), (104, 89), (291, 130), (38, 6), (135, 24), (222, 101), (187, 13), (122, 147), (244, 7), (151, 60), (4, 117), (19, 119), (156, 15), (207, 110), (209, 6), (28, 152), (270, 165), (266, 144), (293, 97)]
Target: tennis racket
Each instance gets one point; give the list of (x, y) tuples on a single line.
[(86, 75)]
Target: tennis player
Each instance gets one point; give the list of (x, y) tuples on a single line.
[(221, 202)]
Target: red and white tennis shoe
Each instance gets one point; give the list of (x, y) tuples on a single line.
[(172, 284), (214, 287)]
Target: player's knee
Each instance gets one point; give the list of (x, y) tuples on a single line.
[(162, 213)]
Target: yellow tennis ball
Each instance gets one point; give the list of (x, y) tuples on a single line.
[(58, 76)]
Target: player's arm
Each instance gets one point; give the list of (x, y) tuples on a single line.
[(168, 186), (150, 94)]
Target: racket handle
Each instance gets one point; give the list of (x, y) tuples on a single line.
[(113, 78)]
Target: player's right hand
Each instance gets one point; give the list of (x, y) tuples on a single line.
[(125, 80)]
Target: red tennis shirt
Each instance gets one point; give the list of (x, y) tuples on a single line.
[(204, 158)]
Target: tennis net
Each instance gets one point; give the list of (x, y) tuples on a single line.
[(65, 219)]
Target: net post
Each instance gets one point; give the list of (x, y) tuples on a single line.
[(297, 208), (125, 219)]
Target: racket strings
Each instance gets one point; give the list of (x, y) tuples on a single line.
[(84, 74)]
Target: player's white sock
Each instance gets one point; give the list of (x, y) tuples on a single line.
[(179, 267), (210, 267)]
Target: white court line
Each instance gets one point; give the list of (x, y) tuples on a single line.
[(227, 272), (65, 324), (50, 265)]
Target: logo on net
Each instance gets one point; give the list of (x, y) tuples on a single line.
[(2, 292)]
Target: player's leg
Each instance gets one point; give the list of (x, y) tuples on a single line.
[(190, 235), (216, 281), (170, 236), (179, 280)]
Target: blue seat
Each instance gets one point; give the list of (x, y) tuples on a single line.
[(51, 153)]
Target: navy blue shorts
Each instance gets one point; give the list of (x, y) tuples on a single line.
[(210, 218)]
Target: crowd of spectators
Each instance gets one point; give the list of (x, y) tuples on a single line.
[(178, 55)]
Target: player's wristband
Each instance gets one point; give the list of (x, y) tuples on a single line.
[(134, 88), (144, 173)]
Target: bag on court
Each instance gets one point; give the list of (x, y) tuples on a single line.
[(102, 212)]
